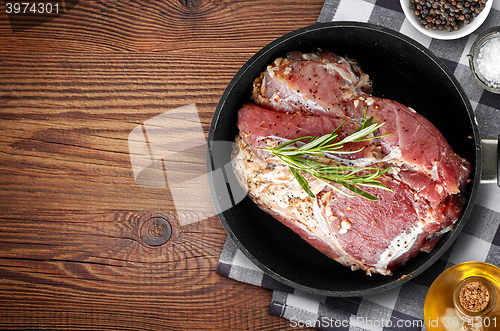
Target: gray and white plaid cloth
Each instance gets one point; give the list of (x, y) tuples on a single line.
[(400, 308)]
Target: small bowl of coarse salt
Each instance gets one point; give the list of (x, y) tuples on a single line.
[(484, 59)]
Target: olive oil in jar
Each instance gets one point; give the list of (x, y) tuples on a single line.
[(464, 297)]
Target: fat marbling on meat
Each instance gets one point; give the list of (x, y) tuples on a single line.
[(311, 94)]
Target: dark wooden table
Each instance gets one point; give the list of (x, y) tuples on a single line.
[(75, 228)]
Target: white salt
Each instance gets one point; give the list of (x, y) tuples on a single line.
[(488, 62)]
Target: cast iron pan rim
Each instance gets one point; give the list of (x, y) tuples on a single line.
[(438, 251)]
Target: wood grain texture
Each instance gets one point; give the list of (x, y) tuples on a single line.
[(72, 88)]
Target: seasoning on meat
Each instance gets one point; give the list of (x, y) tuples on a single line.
[(311, 94)]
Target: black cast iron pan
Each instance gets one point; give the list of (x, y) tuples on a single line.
[(402, 70)]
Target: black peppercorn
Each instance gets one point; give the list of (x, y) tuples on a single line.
[(446, 14)]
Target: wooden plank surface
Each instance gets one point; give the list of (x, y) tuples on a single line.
[(72, 87)]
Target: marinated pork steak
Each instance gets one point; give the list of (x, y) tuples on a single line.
[(311, 83), (314, 94)]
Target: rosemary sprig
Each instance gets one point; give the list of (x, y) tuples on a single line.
[(298, 159)]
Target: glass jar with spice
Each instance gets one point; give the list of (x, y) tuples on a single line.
[(484, 59)]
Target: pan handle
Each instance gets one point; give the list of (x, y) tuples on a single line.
[(491, 161)]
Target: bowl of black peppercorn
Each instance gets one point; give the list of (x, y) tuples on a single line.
[(446, 19)]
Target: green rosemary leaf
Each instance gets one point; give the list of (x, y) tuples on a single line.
[(318, 141), (302, 181), (385, 170), (282, 146), (301, 159), (359, 192)]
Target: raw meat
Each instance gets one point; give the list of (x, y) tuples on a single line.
[(316, 83), (311, 95)]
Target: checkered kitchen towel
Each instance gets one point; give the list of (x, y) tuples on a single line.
[(400, 308)]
